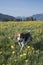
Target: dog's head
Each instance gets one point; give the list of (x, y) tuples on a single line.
[(19, 37)]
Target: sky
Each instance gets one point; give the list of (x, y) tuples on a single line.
[(21, 7)]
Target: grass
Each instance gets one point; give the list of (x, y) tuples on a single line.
[(10, 50)]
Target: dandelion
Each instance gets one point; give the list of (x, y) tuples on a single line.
[(3, 64), (21, 55), (28, 47), (9, 37), (13, 52), (15, 60), (26, 60), (12, 47), (24, 54), (0, 52)]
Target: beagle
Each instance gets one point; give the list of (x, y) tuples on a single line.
[(23, 39)]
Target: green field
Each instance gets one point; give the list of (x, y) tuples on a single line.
[(32, 54)]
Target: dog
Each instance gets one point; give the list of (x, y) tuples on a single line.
[(23, 39)]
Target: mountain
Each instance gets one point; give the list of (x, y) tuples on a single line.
[(4, 17), (35, 17), (38, 16)]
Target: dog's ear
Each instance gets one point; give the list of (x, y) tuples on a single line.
[(22, 34), (15, 36)]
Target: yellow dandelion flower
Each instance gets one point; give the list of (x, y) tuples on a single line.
[(24, 54), (13, 52), (3, 64), (21, 55), (0, 52), (28, 47), (9, 37), (12, 47), (26, 60), (15, 60)]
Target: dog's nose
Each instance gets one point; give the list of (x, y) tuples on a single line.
[(19, 41)]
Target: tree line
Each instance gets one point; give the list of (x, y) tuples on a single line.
[(19, 19)]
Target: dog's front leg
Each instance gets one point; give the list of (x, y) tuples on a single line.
[(22, 45), (19, 44)]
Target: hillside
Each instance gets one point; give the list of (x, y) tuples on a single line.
[(38, 16), (6, 17)]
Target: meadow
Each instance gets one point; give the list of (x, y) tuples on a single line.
[(32, 54)]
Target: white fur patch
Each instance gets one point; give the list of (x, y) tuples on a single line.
[(18, 38), (19, 35)]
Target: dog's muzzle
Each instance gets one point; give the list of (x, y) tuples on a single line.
[(20, 40)]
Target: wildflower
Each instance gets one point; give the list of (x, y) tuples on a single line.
[(28, 47), (21, 55), (9, 37), (24, 54), (15, 60), (0, 52), (3, 64), (26, 60), (12, 47), (13, 52)]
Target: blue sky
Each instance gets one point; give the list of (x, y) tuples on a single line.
[(21, 7)]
